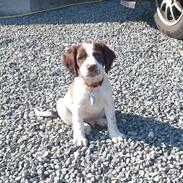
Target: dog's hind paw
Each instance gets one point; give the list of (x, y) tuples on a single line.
[(117, 137)]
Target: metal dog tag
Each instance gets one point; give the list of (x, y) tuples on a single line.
[(92, 100)]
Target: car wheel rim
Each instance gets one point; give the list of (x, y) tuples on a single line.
[(169, 11)]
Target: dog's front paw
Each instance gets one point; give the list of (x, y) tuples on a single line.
[(117, 137), (80, 141)]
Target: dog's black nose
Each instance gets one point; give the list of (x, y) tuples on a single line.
[(92, 68)]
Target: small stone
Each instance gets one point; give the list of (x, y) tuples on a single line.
[(46, 154), (76, 155), (156, 178), (142, 173), (18, 178), (64, 171), (151, 134), (67, 176)]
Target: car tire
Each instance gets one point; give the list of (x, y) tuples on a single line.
[(169, 17)]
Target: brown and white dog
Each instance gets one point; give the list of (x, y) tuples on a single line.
[(89, 98)]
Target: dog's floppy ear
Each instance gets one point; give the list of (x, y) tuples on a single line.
[(69, 60), (109, 56)]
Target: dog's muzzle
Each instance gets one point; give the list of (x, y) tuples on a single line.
[(93, 70)]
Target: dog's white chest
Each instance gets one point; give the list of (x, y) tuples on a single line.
[(93, 104)]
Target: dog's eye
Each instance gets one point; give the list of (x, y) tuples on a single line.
[(81, 59)]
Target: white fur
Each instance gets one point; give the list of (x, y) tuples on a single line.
[(75, 108), (90, 60), (88, 48)]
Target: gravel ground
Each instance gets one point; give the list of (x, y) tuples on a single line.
[(147, 80)]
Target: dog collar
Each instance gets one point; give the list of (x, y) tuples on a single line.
[(93, 85)]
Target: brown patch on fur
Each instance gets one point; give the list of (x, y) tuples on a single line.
[(81, 56), (108, 55), (98, 54), (69, 59)]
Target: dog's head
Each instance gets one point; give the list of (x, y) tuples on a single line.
[(88, 59)]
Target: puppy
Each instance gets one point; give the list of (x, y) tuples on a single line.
[(88, 100)]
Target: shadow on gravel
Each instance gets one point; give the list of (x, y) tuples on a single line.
[(107, 11), (150, 131)]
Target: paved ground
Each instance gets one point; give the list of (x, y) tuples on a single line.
[(147, 80), (19, 7)]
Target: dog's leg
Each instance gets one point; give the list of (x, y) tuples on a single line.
[(114, 133), (66, 115), (78, 128)]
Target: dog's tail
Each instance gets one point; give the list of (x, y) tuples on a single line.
[(53, 114)]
